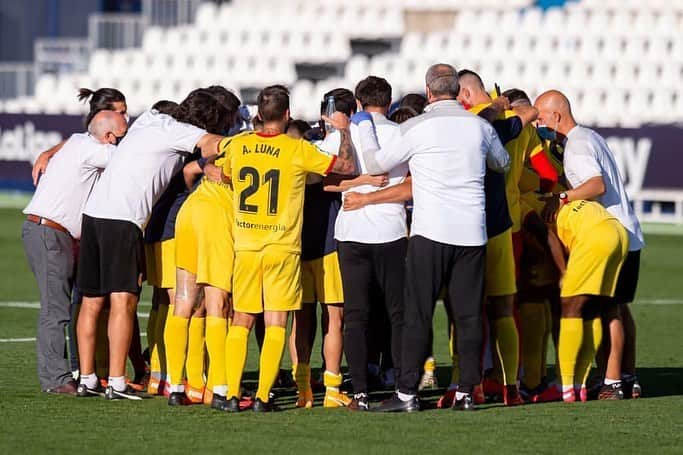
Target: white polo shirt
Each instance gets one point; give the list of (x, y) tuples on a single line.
[(587, 155), (68, 180), (374, 223), (447, 150), (145, 161)]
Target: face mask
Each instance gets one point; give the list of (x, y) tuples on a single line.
[(118, 139), (466, 105), (545, 133), (127, 117)]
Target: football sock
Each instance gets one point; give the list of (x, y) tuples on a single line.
[(151, 327), (236, 357), (216, 333), (90, 380), (592, 337), (532, 334), (157, 362), (571, 336), (194, 364), (118, 383), (175, 338), (507, 347), (455, 361), (301, 373), (332, 381), (404, 396), (430, 365), (271, 356), (546, 337)]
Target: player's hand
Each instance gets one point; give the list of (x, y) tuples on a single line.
[(552, 204), (39, 167), (213, 173), (338, 121), (501, 103), (354, 201), (380, 180)]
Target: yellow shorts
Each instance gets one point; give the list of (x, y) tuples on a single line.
[(203, 237), (595, 262), (267, 280), (500, 266), (160, 258), (321, 280)]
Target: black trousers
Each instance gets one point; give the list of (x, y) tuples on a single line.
[(431, 265), (366, 266)]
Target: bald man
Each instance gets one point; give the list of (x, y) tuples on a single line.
[(592, 174), (51, 232)]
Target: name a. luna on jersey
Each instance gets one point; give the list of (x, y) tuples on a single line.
[(262, 148)]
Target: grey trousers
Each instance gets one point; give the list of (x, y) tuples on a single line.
[(50, 254)]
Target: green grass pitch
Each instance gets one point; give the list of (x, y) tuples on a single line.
[(32, 422)]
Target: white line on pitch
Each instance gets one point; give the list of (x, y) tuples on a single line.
[(36, 306)]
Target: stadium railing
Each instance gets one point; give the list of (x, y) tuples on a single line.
[(59, 55)]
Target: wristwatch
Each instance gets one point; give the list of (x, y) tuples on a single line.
[(563, 197)]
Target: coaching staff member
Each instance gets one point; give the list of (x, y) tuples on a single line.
[(111, 256), (447, 150), (50, 235)]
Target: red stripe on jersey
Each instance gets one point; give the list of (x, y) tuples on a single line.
[(545, 171), (329, 168)]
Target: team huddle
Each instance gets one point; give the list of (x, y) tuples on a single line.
[(507, 211)]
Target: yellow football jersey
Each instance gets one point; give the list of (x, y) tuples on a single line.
[(575, 220), (268, 174)]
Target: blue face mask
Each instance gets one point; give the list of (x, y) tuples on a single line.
[(547, 134)]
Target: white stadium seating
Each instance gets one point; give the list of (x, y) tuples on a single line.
[(621, 61)]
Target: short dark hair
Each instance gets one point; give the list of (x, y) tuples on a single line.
[(102, 99), (301, 126), (205, 110), (402, 114), (229, 101), (415, 101), (166, 107), (515, 95), (373, 91), (470, 73), (344, 101), (442, 80), (273, 103)]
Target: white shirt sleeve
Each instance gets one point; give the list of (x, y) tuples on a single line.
[(497, 158), (98, 156), (382, 159), (580, 161), (331, 143), (183, 137)]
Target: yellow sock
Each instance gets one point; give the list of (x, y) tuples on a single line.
[(151, 329), (571, 336), (157, 356), (194, 364), (507, 347), (236, 356), (216, 333), (430, 365), (532, 334), (271, 356), (547, 336), (175, 339), (301, 373), (592, 337), (332, 381), (455, 361)]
